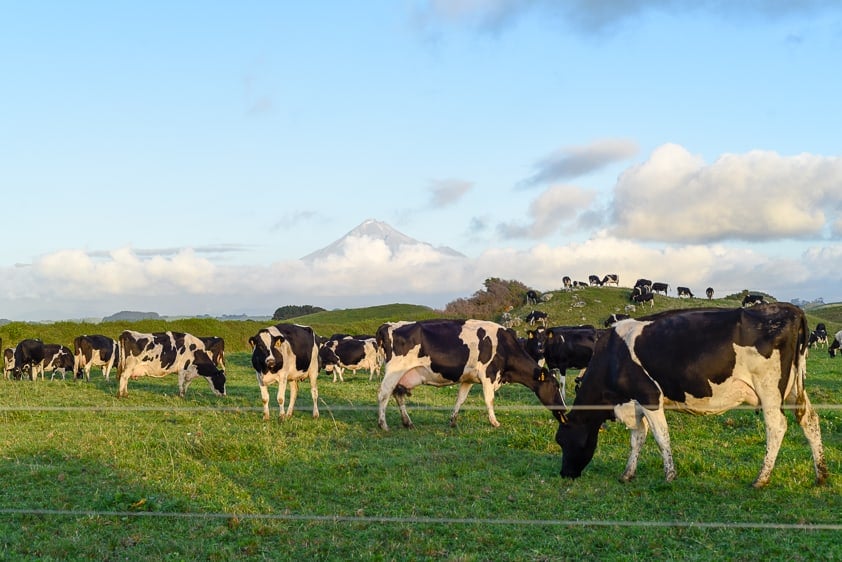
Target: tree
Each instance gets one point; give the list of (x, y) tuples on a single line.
[(489, 303), (294, 310)]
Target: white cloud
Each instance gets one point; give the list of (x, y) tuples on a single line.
[(447, 192), (676, 197), (554, 207)]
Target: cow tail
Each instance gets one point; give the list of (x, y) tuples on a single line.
[(121, 355)]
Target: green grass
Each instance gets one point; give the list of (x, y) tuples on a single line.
[(155, 477)]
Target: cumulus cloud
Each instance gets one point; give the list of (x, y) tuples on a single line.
[(549, 211), (574, 161), (588, 16), (447, 192), (677, 197)]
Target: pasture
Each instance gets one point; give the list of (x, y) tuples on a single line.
[(156, 477)]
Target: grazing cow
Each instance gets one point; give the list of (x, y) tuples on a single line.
[(215, 346), (684, 292), (644, 284), (569, 347), (611, 279), (579, 284), (161, 353), (57, 359), (594, 281), (352, 353), (464, 352), (751, 300), (566, 282), (709, 292), (534, 344), (660, 288), (29, 354), (532, 297), (837, 343), (535, 317), (701, 361), (285, 354), (8, 362), (613, 319), (94, 350), (641, 298)]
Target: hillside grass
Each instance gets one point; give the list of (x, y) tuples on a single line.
[(155, 477)]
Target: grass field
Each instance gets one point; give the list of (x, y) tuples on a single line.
[(153, 477)]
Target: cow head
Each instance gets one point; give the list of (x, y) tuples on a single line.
[(266, 354), (578, 444), (214, 376), (549, 393)]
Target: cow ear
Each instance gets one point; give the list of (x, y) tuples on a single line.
[(549, 335), (251, 342), (277, 343), (530, 335)]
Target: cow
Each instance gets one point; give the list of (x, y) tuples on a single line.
[(613, 319), (751, 300), (594, 281), (700, 361), (684, 292), (29, 354), (837, 343), (8, 362), (819, 335), (611, 279), (579, 284), (645, 284), (536, 317), (659, 287), (533, 343), (569, 347), (94, 350), (216, 347), (285, 354), (532, 297), (336, 355), (709, 292), (464, 352), (644, 297), (566, 282), (159, 354), (58, 359)]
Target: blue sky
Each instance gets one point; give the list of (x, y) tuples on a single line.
[(181, 157)]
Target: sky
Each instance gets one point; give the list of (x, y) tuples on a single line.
[(181, 157)]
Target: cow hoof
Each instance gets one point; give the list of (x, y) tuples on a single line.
[(265, 417)]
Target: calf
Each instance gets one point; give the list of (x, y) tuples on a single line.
[(701, 361), (285, 354), (463, 352), (58, 359), (94, 350), (159, 354)]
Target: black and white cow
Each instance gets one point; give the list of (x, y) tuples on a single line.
[(837, 343), (463, 352), (285, 354), (216, 347), (8, 362), (29, 355), (352, 353), (701, 361), (751, 300), (159, 354), (536, 317), (641, 298), (611, 279), (659, 287), (709, 292), (594, 280), (58, 359), (569, 347), (644, 284), (94, 350), (566, 282), (532, 297), (684, 292), (614, 318)]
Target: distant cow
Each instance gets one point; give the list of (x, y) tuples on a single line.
[(644, 284), (614, 318), (57, 359), (660, 288), (566, 282), (29, 355), (594, 281), (837, 343), (751, 300), (709, 292), (8, 362), (285, 354), (641, 298), (336, 355), (94, 350), (684, 292), (611, 279), (536, 317), (463, 352), (161, 353), (701, 361), (532, 297)]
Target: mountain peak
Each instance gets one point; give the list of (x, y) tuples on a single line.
[(376, 230)]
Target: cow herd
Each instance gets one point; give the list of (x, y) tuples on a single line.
[(701, 361)]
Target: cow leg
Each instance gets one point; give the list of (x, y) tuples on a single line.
[(264, 397), (123, 384), (400, 399), (461, 396), (338, 371), (808, 419), (660, 431), (314, 393), (387, 388), (775, 422), (639, 430)]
